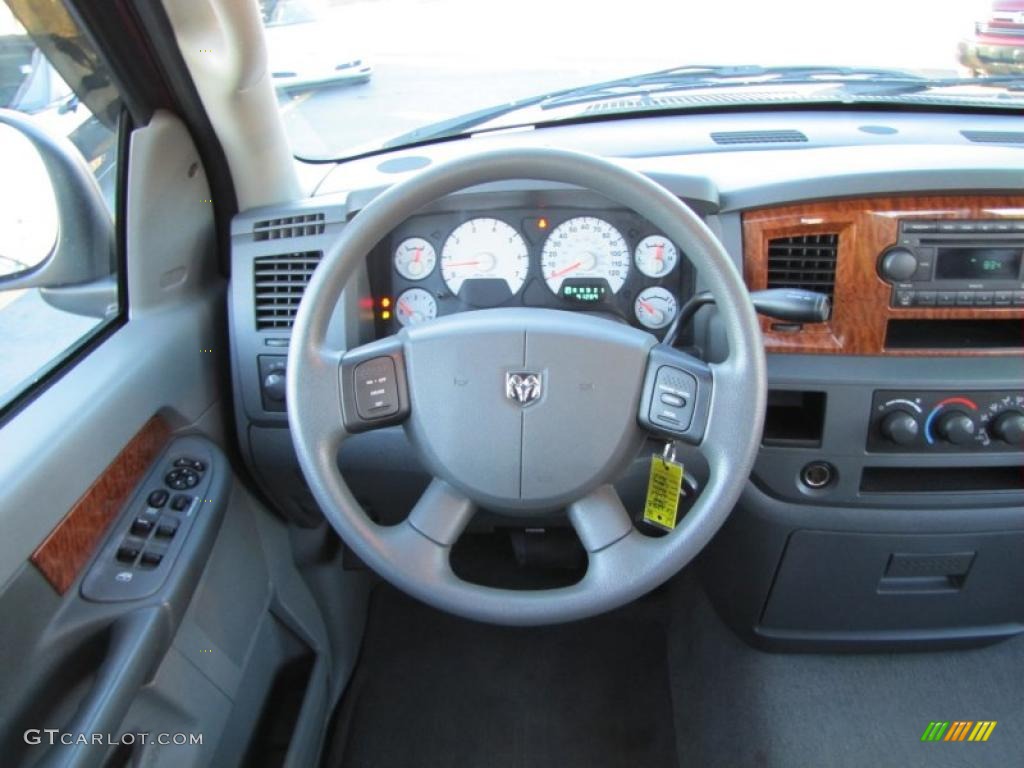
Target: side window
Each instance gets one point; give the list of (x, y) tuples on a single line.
[(58, 152)]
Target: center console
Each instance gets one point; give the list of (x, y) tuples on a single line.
[(887, 502)]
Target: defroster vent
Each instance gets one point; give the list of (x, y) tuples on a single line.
[(804, 261), (279, 282), (303, 225)]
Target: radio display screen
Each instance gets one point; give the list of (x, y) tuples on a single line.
[(978, 263)]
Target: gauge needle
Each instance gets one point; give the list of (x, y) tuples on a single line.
[(419, 254), (462, 264), (404, 308), (567, 270), (647, 307)]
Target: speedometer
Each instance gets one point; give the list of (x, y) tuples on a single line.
[(585, 247), (484, 249)]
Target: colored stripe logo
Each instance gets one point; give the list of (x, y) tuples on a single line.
[(958, 730)]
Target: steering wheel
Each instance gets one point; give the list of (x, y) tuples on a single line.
[(525, 410)]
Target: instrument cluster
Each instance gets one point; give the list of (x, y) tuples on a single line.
[(612, 262)]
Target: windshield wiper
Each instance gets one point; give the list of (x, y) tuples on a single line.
[(854, 82)]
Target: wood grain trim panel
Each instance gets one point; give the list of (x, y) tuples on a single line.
[(866, 227), (72, 542)]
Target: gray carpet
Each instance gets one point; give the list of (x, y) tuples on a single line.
[(739, 707)]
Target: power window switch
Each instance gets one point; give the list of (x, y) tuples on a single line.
[(167, 527), (142, 525), (151, 558), (128, 551)]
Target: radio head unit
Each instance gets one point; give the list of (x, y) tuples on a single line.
[(956, 263)]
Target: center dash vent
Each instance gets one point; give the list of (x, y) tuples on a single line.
[(289, 226), (994, 137), (804, 261), (758, 137), (279, 282)]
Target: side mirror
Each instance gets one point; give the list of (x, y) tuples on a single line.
[(77, 275)]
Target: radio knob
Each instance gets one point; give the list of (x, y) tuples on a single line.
[(900, 427), (899, 265), (955, 427), (1009, 427)]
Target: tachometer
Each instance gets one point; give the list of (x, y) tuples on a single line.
[(415, 306), (655, 308), (415, 258), (656, 256), (585, 247), (484, 249)]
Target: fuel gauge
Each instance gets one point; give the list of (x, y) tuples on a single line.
[(655, 308), (656, 256), (415, 258)]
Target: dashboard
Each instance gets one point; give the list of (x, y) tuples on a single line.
[(578, 259), (886, 506)]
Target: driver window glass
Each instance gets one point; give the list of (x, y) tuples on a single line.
[(53, 79)]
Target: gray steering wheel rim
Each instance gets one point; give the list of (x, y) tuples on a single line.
[(623, 564)]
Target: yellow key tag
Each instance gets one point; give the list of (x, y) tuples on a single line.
[(666, 480)]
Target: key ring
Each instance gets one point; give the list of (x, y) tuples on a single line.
[(668, 455)]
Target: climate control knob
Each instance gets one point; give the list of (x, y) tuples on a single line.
[(900, 427), (955, 427), (1009, 427), (898, 265)]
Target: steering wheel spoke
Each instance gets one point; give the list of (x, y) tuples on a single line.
[(441, 514), (600, 519)]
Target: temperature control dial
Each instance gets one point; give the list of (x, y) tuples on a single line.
[(955, 427)]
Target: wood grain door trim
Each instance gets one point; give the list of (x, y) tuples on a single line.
[(72, 542)]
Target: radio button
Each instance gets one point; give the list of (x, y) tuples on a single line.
[(967, 226), (1003, 226), (925, 299), (904, 298), (1017, 226), (1018, 298), (949, 226), (965, 298), (1003, 298), (983, 299), (946, 298), (919, 226)]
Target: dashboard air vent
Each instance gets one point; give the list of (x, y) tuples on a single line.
[(758, 137), (994, 137), (289, 226), (804, 261), (279, 282)]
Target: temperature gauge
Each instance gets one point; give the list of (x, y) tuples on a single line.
[(415, 306), (656, 256), (655, 308), (415, 258)]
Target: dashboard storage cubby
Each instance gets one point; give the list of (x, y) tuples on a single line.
[(839, 588)]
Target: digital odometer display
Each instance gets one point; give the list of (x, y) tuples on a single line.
[(978, 263)]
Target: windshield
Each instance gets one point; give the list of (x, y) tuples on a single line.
[(363, 74)]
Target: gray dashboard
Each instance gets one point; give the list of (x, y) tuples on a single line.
[(845, 154)]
